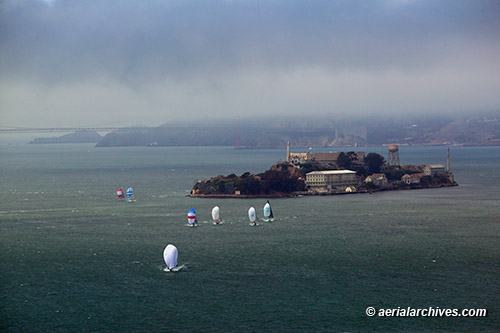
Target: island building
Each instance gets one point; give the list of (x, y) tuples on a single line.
[(434, 170), (439, 169), (326, 157), (412, 178), (431, 170), (326, 181), (378, 179), (350, 189)]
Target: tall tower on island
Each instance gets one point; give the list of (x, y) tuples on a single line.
[(393, 159), (288, 151), (448, 161)]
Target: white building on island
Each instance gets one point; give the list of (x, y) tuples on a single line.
[(324, 181)]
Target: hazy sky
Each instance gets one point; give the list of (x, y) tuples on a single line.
[(120, 62)]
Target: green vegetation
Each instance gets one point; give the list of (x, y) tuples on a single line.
[(394, 173), (305, 168), (374, 162), (344, 160), (280, 179)]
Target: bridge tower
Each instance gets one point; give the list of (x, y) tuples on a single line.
[(237, 135)]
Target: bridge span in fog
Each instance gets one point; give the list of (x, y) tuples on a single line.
[(14, 130)]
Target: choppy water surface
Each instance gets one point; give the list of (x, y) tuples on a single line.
[(75, 258)]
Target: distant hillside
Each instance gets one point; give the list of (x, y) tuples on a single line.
[(76, 137), (484, 130), (163, 136), (479, 131), (468, 131), (249, 137)]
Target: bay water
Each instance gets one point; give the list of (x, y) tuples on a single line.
[(75, 258)]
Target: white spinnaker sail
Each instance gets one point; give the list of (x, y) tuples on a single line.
[(215, 213), (170, 256), (251, 214)]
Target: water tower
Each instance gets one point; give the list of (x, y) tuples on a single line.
[(393, 159)]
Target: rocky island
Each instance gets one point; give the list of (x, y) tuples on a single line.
[(327, 173)]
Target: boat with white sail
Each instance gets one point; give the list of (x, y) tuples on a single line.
[(170, 255), (268, 212), (252, 216), (215, 215)]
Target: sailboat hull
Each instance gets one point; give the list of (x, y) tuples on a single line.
[(173, 270)]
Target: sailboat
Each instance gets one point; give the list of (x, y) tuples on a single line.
[(215, 215), (130, 195), (119, 193), (170, 255), (192, 222), (252, 216), (268, 212)]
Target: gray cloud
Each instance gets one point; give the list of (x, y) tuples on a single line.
[(84, 62)]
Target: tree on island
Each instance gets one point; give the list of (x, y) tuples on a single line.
[(374, 162), (248, 184), (394, 172), (280, 181), (281, 178), (344, 161)]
